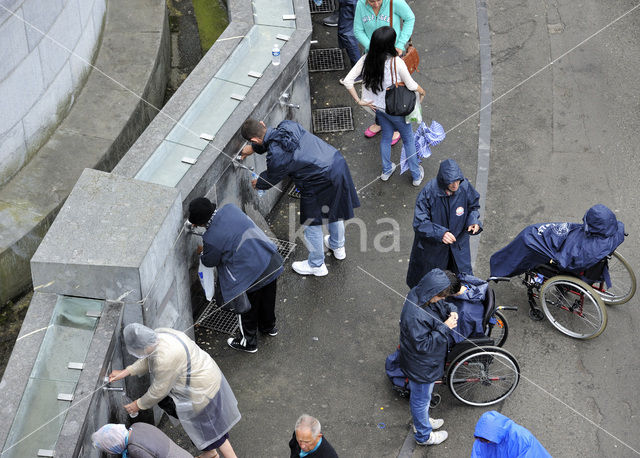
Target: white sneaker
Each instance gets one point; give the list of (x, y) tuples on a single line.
[(435, 438), (436, 423), (303, 268), (386, 176), (338, 253), (419, 180)]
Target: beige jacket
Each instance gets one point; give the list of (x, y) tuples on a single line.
[(167, 366)]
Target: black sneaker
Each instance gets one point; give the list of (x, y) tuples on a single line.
[(331, 21), (237, 345), (271, 332)]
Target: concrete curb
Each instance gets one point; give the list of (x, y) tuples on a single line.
[(101, 126)]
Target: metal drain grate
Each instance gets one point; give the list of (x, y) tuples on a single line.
[(332, 120), (285, 248), (218, 320), (294, 192), (327, 6), (325, 60)]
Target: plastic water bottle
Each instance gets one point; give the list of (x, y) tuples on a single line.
[(127, 400), (317, 2), (275, 54), (254, 176)]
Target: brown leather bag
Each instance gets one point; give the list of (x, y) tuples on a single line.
[(411, 57)]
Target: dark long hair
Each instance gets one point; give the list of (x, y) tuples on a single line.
[(382, 46)]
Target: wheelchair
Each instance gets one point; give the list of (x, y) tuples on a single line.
[(575, 303), (478, 371)]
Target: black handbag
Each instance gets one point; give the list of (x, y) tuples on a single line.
[(399, 100)]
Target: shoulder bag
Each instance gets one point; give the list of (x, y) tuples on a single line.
[(399, 100), (411, 57)]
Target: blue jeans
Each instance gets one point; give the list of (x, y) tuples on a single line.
[(419, 403), (346, 38), (390, 124), (313, 236)]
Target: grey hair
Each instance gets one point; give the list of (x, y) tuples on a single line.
[(307, 421)]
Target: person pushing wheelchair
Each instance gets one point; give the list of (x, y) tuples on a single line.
[(426, 322)]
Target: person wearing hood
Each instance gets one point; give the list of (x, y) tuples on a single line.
[(498, 436), (320, 172), (426, 322), (574, 247), (202, 398), (468, 294), (248, 266), (447, 212), (142, 440)]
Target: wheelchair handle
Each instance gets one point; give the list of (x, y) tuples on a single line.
[(498, 279), (507, 307)]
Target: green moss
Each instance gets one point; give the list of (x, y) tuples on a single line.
[(212, 19)]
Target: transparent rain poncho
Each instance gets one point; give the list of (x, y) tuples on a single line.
[(111, 438), (205, 404), (139, 339)]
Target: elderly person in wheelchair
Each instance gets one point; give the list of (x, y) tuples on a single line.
[(573, 269), (477, 311), (573, 247)]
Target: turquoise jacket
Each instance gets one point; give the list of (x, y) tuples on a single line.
[(366, 22)]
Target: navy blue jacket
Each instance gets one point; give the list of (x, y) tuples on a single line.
[(436, 213), (508, 439), (470, 308), (574, 247), (240, 250), (318, 169), (424, 338)]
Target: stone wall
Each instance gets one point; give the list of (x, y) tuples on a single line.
[(38, 77), (121, 240)]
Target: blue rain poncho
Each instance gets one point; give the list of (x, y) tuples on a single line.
[(424, 338), (508, 439), (436, 213), (470, 308), (320, 172), (573, 246)]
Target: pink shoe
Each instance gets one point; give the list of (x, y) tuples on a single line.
[(369, 133), (395, 140)]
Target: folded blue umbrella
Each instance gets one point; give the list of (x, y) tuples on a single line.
[(425, 138)]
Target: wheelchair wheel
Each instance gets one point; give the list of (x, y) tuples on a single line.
[(623, 282), (483, 376), (573, 307), (498, 331)]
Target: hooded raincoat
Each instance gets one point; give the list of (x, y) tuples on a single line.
[(508, 439), (318, 169), (241, 251), (573, 246), (424, 338), (436, 213), (470, 308)]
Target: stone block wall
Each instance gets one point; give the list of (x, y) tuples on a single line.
[(45, 54), (121, 240)]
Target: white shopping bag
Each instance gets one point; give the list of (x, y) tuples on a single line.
[(205, 274), (416, 114)]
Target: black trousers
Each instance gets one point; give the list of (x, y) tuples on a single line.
[(261, 316)]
